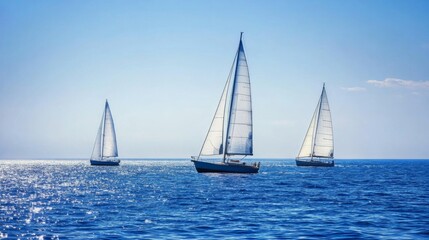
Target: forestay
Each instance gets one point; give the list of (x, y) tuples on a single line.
[(307, 145), (96, 151), (213, 145)]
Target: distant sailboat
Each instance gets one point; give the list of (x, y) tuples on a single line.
[(105, 151), (317, 149), (239, 139)]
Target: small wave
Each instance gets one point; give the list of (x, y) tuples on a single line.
[(3, 235), (171, 200)]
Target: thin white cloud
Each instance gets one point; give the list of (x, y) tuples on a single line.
[(394, 82), (354, 89)]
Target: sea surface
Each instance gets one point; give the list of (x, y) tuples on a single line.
[(168, 199)]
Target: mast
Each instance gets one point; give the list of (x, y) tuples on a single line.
[(225, 104), (317, 122), (233, 91), (104, 129)]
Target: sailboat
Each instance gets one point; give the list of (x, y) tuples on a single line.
[(238, 120), (105, 151), (317, 150)]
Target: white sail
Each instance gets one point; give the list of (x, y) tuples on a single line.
[(96, 151), (239, 138), (235, 112), (213, 145), (319, 141), (110, 148), (307, 145), (324, 140)]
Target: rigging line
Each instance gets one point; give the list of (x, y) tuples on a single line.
[(214, 148), (242, 110), (324, 146), (319, 105), (98, 138), (246, 124), (306, 134), (240, 154), (223, 116), (104, 129), (239, 50)]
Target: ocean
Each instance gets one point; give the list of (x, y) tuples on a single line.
[(168, 199)]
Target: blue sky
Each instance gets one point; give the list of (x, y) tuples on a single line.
[(163, 64)]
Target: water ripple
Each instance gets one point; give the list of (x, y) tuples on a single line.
[(61, 199)]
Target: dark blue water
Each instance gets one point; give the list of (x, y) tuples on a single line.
[(143, 199)]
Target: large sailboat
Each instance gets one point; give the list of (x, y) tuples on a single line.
[(105, 151), (317, 149), (237, 118)]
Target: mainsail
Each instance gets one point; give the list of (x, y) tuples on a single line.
[(105, 142), (239, 139), (110, 148), (319, 140)]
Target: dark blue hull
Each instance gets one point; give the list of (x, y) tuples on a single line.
[(105, 163), (206, 167), (314, 163)]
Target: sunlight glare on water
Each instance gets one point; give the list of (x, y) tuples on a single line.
[(51, 199)]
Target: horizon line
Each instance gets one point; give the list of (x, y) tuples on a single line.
[(184, 158)]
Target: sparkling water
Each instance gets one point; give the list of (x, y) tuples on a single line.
[(153, 199)]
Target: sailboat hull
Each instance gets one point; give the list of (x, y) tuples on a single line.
[(105, 163), (313, 163), (207, 167)]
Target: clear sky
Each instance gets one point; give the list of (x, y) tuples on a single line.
[(163, 65)]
